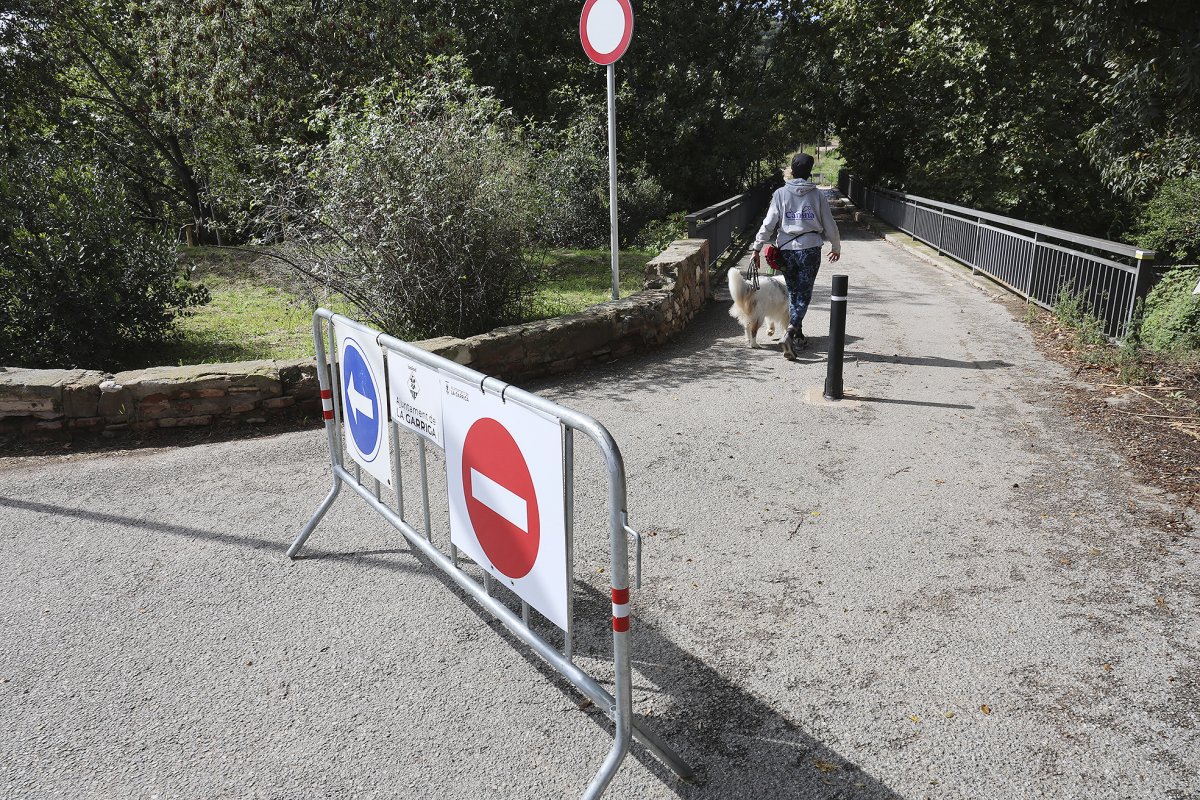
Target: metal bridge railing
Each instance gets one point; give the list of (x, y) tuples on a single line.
[(718, 223), (1034, 261)]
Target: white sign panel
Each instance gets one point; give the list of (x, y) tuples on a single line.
[(605, 28), (504, 479), (364, 407), (415, 396)]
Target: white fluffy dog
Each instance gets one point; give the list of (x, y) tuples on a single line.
[(752, 307)]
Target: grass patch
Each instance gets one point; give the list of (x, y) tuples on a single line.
[(1080, 335), (261, 310), (1073, 312), (579, 279), (258, 311)]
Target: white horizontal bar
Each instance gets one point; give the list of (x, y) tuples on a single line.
[(505, 503)]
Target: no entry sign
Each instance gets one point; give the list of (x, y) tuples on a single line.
[(505, 486), (502, 501), (605, 28)]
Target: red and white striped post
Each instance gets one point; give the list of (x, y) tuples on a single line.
[(620, 604)]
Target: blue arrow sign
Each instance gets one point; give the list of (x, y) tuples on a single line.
[(363, 409)]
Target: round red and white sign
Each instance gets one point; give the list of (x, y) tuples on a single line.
[(605, 28), (506, 493), (500, 498)]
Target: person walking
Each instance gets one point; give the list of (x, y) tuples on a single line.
[(798, 221)]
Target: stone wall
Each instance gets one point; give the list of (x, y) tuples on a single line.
[(54, 403), (59, 404)]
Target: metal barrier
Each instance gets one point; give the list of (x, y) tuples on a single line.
[(354, 412), (1034, 261), (718, 223)]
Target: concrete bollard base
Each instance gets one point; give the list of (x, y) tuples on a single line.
[(815, 396)]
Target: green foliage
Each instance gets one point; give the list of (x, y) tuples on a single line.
[(703, 93), (1172, 319), (1140, 62), (424, 235), (82, 282), (1170, 222), (181, 98), (658, 234), (959, 103), (573, 170), (1074, 313)]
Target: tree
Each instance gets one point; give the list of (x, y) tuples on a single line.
[(958, 102), (82, 281), (1141, 63), (181, 97), (704, 93)]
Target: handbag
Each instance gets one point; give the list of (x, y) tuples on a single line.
[(771, 254)]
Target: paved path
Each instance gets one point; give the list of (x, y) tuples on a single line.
[(950, 591)]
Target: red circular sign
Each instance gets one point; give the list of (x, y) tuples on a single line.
[(605, 28), (501, 501)]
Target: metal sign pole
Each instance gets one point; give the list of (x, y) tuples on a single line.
[(612, 180)]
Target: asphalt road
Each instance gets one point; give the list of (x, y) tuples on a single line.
[(948, 590)]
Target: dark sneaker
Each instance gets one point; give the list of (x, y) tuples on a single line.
[(799, 341)]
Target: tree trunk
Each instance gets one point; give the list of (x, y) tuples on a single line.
[(202, 213)]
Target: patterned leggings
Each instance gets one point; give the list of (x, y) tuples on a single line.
[(800, 273)]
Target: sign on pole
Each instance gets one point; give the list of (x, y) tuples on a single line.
[(505, 485), (363, 411), (605, 28)]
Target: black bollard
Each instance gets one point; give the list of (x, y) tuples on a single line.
[(837, 337)]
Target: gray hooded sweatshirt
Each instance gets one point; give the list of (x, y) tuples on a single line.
[(801, 214)]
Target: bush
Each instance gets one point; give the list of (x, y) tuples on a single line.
[(82, 282), (574, 168), (658, 234), (1170, 222), (1074, 312), (573, 164), (1172, 319), (420, 205)]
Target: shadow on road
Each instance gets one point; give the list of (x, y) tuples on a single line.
[(737, 744), (234, 540), (926, 403), (711, 350), (928, 361)]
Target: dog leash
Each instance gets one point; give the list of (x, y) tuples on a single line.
[(752, 273)]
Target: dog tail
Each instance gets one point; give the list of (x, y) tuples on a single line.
[(739, 290)]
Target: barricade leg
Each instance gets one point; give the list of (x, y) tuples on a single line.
[(327, 412), (315, 519)]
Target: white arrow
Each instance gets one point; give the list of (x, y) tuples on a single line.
[(359, 402)]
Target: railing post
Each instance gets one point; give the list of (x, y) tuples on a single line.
[(975, 250), (1143, 261), (1033, 263)]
